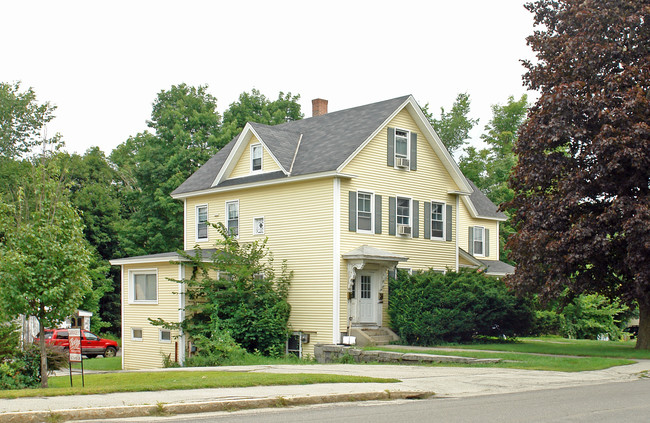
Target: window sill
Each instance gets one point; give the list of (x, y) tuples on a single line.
[(144, 302)]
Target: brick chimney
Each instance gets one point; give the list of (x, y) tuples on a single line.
[(318, 107)]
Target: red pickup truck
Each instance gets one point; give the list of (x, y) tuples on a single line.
[(91, 344)]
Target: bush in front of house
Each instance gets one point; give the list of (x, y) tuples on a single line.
[(429, 308), (592, 316), (21, 367)]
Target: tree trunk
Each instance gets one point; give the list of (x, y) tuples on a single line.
[(41, 342), (643, 340)]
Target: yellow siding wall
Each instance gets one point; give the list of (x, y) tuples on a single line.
[(430, 182), (298, 222), (243, 166), (466, 220), (147, 353)]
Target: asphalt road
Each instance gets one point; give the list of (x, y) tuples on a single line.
[(610, 402)]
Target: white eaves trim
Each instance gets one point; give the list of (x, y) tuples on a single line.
[(288, 179), (238, 149), (427, 130), (136, 260), (150, 259)]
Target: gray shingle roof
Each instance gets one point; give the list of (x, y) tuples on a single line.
[(327, 141), (483, 205), (496, 267)]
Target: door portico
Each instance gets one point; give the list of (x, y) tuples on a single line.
[(367, 275)]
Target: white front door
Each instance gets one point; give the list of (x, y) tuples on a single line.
[(367, 298)]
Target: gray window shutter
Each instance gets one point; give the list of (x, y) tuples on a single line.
[(416, 219), (352, 211), (449, 215), (392, 215), (486, 248), (470, 239), (414, 151), (377, 214), (427, 220), (390, 157)]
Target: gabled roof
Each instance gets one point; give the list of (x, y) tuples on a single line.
[(492, 267), (317, 145), (482, 207)]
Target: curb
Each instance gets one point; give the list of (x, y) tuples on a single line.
[(162, 409)]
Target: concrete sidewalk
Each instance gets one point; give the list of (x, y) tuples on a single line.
[(416, 382)]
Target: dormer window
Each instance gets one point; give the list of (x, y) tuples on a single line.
[(256, 157)]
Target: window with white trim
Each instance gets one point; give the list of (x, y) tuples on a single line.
[(402, 147), (258, 226), (232, 217), (144, 286), (403, 211), (136, 334), (165, 335), (364, 212), (479, 241), (202, 222), (256, 157), (437, 220)]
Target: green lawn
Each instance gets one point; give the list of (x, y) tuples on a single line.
[(561, 346), (159, 381), (526, 361), (100, 363)]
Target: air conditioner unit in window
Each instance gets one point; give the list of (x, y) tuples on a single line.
[(404, 229), (402, 162)]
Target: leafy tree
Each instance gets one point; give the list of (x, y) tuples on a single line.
[(489, 168), (186, 128), (453, 127), (236, 296), (187, 131), (590, 316), (21, 120), (43, 256), (255, 107), (582, 178), (95, 191)]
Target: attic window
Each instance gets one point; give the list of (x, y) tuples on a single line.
[(256, 157), (401, 144)]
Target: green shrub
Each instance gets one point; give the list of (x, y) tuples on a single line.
[(546, 322), (215, 348), (23, 368), (236, 298), (429, 308), (589, 316)]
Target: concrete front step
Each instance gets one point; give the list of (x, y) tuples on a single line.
[(373, 336)]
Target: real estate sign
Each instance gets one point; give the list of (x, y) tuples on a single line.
[(74, 337)]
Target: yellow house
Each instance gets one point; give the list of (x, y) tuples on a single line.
[(344, 198)]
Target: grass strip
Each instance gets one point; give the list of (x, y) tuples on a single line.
[(523, 360), (159, 381), (562, 346)]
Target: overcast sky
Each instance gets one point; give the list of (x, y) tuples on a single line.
[(102, 63)]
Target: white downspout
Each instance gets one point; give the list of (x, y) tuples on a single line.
[(181, 314), (336, 262), (456, 227)]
